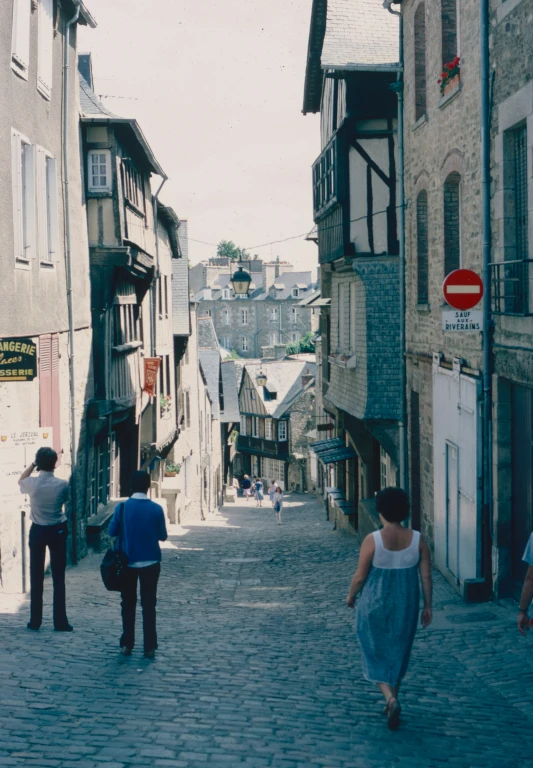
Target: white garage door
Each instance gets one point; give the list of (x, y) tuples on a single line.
[(457, 471)]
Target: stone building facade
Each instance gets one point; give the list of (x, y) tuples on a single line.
[(269, 315), (511, 41), (443, 185), (45, 380)]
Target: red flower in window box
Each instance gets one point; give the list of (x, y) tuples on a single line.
[(450, 75)]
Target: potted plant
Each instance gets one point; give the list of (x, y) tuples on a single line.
[(171, 469), (451, 74), (165, 402)]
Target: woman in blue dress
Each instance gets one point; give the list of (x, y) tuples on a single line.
[(387, 611)]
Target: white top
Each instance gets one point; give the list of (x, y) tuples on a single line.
[(528, 554), (403, 558), (47, 495), (141, 563)]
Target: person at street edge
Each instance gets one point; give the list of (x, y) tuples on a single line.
[(278, 503), (48, 495), (144, 527), (272, 491), (387, 611), (258, 490), (527, 589), (246, 486)]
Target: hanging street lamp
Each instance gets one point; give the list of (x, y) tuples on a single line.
[(261, 379), (240, 281)]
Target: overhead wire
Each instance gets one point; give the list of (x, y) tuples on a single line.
[(303, 234)]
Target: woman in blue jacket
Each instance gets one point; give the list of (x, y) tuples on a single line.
[(144, 527)]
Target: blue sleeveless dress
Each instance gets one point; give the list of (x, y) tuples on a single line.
[(387, 612)]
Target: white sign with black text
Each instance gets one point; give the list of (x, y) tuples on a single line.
[(462, 320)]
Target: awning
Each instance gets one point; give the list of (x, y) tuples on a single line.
[(333, 450)]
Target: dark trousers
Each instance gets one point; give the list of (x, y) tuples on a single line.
[(55, 538), (148, 578)]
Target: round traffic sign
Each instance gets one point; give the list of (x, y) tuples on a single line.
[(462, 289)]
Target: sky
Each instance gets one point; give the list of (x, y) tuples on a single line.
[(217, 88)]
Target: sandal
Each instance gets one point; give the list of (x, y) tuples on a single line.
[(393, 714)]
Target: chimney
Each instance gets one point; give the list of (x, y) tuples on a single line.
[(85, 68), (280, 351), (269, 276), (307, 378), (267, 353)]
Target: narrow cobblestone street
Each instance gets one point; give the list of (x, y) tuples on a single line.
[(257, 666)]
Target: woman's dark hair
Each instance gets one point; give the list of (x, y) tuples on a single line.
[(140, 482), (46, 459), (393, 505)]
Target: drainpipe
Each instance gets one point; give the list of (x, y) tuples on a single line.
[(68, 273), (153, 306), (397, 87), (487, 532)]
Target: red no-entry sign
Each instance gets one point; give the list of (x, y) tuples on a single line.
[(462, 289)]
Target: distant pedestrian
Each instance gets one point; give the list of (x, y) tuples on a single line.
[(272, 491), (49, 529), (246, 486), (258, 490), (527, 589), (143, 527), (278, 503), (387, 613)]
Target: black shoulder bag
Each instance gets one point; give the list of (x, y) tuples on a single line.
[(115, 562)]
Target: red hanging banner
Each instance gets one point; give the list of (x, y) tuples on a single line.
[(151, 369)]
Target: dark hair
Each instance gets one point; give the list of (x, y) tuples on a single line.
[(393, 504), (140, 482), (46, 459)]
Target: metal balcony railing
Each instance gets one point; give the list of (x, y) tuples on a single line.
[(512, 287)]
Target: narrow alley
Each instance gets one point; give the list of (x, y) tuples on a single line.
[(257, 665)]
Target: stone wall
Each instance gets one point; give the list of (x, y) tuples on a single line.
[(260, 330), (302, 421)]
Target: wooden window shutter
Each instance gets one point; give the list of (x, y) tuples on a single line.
[(49, 387), (55, 404), (45, 380)]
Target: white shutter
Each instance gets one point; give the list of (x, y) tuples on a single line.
[(52, 208), (243, 425), (20, 41), (28, 201), (42, 205), (45, 44), (268, 429), (16, 185)]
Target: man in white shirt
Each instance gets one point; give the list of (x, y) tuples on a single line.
[(48, 494)]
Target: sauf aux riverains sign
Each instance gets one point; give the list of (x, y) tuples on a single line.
[(18, 360)]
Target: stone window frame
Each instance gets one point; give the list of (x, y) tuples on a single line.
[(421, 185), (452, 167), (450, 47), (514, 112), (503, 8)]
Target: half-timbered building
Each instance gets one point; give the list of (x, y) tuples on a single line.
[(276, 403), (352, 66), (132, 241)]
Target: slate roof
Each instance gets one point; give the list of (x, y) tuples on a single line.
[(231, 393), (284, 377), (333, 450), (181, 320), (355, 35), (210, 362), (207, 337), (286, 282), (93, 111)]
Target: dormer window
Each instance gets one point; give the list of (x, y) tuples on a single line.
[(226, 293), (295, 293), (99, 170)]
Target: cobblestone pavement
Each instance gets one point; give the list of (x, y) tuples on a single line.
[(257, 665)]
